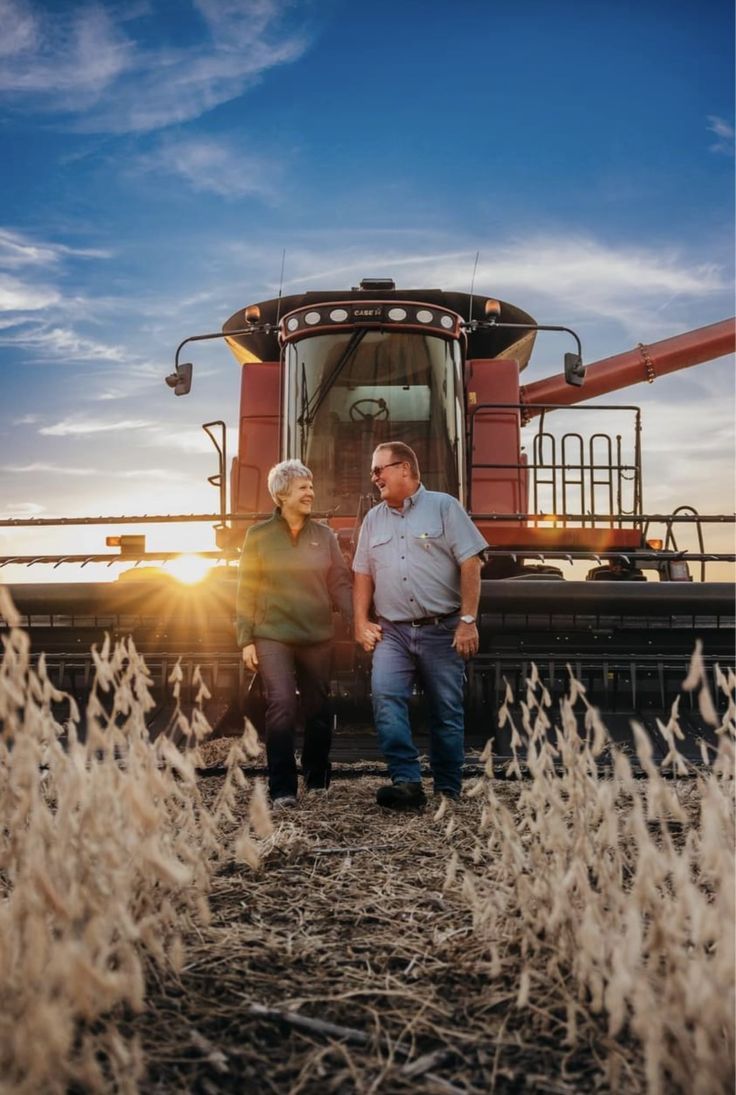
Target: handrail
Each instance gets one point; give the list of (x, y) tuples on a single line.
[(589, 475), (231, 555), (670, 536), (171, 518)]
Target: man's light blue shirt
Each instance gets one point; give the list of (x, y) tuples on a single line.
[(413, 554)]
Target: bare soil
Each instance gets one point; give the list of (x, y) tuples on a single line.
[(348, 923)]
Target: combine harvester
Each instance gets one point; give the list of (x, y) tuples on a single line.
[(327, 376)]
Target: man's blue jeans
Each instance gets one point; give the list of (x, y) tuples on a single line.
[(283, 668), (404, 655)]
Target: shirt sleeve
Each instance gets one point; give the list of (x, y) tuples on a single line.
[(360, 559), (249, 578), (339, 583), (463, 537)]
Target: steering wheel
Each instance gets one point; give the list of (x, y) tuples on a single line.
[(356, 414)]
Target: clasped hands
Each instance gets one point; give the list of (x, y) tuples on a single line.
[(368, 634), (465, 639)]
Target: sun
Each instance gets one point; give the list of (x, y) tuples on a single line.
[(188, 569)]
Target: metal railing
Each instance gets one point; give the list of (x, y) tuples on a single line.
[(594, 478)]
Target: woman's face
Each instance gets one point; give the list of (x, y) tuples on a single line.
[(298, 500)]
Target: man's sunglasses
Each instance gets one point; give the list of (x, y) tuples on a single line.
[(375, 472)]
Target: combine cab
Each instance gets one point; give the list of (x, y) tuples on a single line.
[(328, 376)]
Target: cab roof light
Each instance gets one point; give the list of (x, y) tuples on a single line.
[(377, 285)]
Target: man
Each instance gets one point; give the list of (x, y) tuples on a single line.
[(419, 558)]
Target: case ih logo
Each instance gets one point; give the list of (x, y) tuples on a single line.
[(367, 313)]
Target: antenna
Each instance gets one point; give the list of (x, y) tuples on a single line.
[(472, 286), (281, 286)]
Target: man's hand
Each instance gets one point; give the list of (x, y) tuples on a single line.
[(250, 657), (466, 640), (367, 634)]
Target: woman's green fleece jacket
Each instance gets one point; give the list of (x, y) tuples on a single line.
[(287, 587)]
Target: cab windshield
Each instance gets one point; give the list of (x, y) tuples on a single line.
[(351, 391)]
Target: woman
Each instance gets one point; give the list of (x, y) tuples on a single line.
[(291, 574)]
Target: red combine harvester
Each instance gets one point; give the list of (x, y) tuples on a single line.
[(327, 376)]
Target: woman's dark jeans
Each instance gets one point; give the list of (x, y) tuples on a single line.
[(284, 668)]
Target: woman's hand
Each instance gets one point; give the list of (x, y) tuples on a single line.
[(367, 635), (250, 657)]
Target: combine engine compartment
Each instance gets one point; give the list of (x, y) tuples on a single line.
[(328, 376)]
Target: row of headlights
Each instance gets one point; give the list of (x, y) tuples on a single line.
[(368, 312)]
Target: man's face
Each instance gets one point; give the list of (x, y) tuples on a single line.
[(391, 477), (299, 498)]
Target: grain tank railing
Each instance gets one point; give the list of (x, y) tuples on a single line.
[(557, 486)]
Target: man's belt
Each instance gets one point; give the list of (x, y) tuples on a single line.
[(428, 621)]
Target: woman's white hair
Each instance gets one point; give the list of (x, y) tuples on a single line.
[(282, 475)]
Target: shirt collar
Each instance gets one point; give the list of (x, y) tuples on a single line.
[(412, 500), (408, 503)]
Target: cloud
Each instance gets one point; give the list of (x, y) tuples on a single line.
[(207, 165), (17, 295), (28, 509), (724, 131), (22, 509), (69, 56), (17, 249), (75, 428), (187, 438), (80, 61), (65, 343), (32, 292), (20, 28), (579, 277), (48, 469)]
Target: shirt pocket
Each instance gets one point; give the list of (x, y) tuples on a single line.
[(379, 550), (427, 539)]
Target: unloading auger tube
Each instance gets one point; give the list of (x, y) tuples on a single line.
[(326, 377)]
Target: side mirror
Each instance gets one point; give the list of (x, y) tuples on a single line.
[(574, 370), (181, 380)]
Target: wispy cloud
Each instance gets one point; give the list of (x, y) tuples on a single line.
[(48, 469), (47, 324), (216, 167), (28, 269), (28, 509), (17, 295), (20, 28), (552, 275), (188, 438), (724, 132), (22, 509), (70, 427), (82, 61), (70, 55), (19, 249), (65, 344)]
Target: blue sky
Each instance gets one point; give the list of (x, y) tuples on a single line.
[(159, 157)]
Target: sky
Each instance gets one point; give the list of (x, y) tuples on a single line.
[(159, 158)]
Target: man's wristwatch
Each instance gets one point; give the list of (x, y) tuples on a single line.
[(467, 619)]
